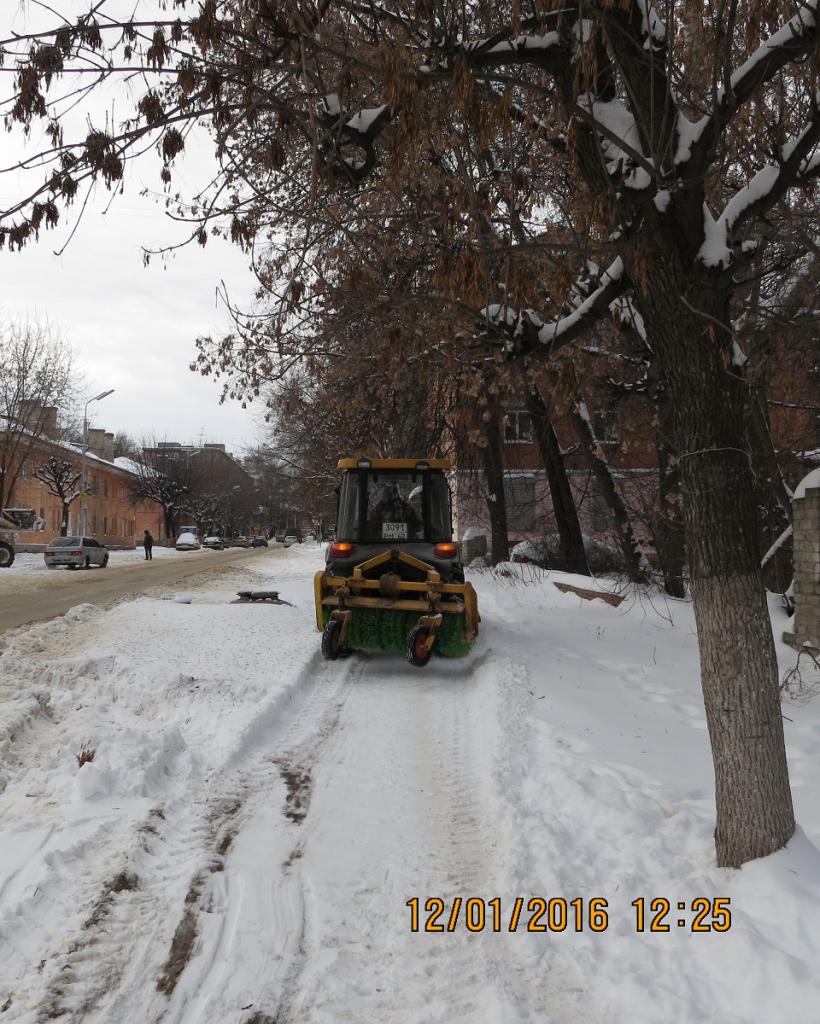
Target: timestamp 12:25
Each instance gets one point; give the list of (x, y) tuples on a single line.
[(707, 915)]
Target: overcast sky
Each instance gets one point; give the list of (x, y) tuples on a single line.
[(131, 327)]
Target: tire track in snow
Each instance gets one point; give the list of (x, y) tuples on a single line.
[(252, 920), (110, 965), (404, 805)]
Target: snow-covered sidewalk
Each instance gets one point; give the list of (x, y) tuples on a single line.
[(244, 843)]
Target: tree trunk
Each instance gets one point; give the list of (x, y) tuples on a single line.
[(708, 417), (64, 522), (170, 522), (573, 556), (492, 456), (630, 549), (668, 526)]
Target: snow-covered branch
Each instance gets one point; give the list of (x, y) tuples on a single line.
[(592, 308), (790, 43), (799, 161), (526, 330), (620, 142)]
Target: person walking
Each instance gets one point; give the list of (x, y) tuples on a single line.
[(148, 544)]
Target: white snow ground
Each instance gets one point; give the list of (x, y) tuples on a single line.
[(243, 844)]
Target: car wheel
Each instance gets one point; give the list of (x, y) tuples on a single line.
[(74, 566), (87, 562), (6, 555), (104, 563)]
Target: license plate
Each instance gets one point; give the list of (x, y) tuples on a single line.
[(394, 531)]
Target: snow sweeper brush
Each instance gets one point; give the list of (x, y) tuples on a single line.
[(394, 580)]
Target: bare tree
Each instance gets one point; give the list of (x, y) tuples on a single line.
[(36, 386), (62, 478), (164, 479)]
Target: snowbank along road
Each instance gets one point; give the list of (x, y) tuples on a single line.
[(201, 821)]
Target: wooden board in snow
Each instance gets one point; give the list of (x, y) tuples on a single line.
[(260, 595)]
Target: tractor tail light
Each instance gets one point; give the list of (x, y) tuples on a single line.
[(446, 550), (341, 549)]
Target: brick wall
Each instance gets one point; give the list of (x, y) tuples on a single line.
[(111, 516)]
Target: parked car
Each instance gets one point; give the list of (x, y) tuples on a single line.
[(290, 539), (75, 553), (240, 542), (259, 542), (216, 543), (280, 538), (187, 542)]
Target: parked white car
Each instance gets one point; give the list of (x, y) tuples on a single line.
[(75, 553), (187, 542), (290, 539)]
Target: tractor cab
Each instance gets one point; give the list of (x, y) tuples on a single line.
[(395, 505), (393, 579)]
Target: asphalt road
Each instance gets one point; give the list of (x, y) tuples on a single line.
[(44, 596)]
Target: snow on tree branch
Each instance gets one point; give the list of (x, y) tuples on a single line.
[(799, 161), (790, 43), (621, 143), (592, 308), (526, 329)]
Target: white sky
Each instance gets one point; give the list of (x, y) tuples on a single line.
[(131, 327)]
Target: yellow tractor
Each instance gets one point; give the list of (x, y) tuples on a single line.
[(393, 579)]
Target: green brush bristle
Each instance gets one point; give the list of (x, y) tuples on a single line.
[(372, 629)]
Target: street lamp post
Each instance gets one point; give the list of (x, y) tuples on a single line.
[(83, 510), (228, 497)]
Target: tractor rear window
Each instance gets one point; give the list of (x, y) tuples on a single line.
[(395, 507), (383, 506)]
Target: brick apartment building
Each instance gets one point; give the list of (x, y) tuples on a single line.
[(111, 515), (624, 437)]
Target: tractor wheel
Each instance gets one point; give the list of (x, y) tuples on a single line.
[(332, 640), (418, 653), (6, 555)]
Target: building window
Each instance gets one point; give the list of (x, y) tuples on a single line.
[(518, 427), (105, 486), (105, 526), (519, 495)]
